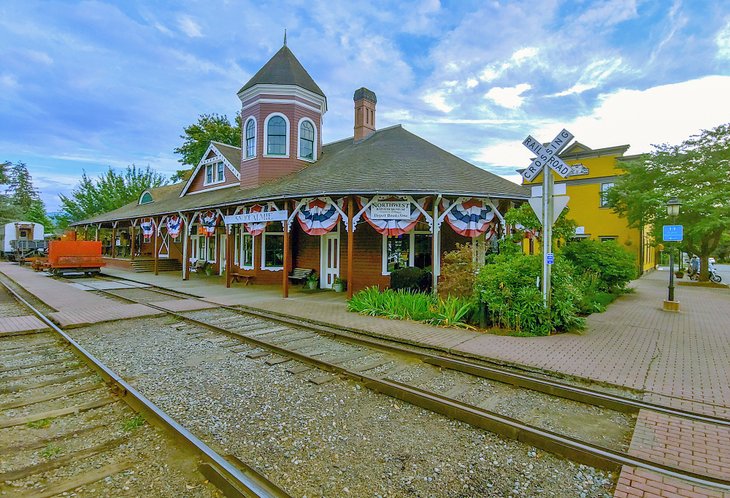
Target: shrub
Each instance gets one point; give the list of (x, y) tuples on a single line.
[(509, 290), (458, 273), (411, 279), (613, 265)]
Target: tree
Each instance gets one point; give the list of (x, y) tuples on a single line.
[(197, 137), (697, 172), (23, 196), (109, 191)]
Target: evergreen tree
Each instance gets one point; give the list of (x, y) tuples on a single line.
[(22, 200), (197, 137)]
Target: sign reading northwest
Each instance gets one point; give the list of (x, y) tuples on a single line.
[(547, 155), (260, 217), (390, 210)]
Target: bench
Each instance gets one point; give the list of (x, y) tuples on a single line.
[(300, 274), (241, 277)]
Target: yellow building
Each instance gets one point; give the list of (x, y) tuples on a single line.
[(594, 173)]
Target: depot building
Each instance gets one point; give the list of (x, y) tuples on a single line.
[(355, 209)]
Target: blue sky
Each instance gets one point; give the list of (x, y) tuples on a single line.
[(87, 85)]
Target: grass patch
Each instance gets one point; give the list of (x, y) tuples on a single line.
[(133, 423), (51, 450), (40, 424)]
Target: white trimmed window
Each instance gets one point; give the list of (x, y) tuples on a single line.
[(272, 251), (215, 173), (250, 138), (276, 135), (413, 249), (245, 253), (307, 147), (605, 187), (203, 248)]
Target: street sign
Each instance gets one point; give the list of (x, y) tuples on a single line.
[(559, 203), (550, 258), (672, 233), (558, 189), (547, 155)]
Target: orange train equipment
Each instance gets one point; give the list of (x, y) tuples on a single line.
[(74, 256)]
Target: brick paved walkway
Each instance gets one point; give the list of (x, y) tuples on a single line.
[(678, 359), (28, 323)]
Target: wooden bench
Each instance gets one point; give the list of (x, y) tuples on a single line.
[(300, 274), (241, 277)]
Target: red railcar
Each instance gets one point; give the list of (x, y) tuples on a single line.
[(73, 256)]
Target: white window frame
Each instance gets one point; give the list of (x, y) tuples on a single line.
[(195, 249), (602, 201), (246, 157), (299, 141), (214, 176), (241, 258), (607, 238), (266, 135), (263, 252), (411, 253)]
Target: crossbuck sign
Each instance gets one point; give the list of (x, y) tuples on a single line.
[(547, 155)]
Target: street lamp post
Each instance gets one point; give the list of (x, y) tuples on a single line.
[(672, 210)]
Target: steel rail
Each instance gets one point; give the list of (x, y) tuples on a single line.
[(553, 387), (232, 481), (565, 446)]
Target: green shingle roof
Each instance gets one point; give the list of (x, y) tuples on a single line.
[(283, 69), (392, 160)]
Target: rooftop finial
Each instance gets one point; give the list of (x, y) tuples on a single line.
[(285, 37)]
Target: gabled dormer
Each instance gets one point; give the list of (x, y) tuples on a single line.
[(281, 114), (216, 170)]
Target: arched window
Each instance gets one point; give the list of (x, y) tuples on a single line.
[(276, 136), (250, 138), (146, 198), (306, 140)]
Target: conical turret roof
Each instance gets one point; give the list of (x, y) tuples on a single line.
[(284, 69)]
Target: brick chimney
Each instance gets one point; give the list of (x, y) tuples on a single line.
[(365, 101)]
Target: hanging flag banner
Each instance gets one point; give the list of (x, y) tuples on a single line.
[(208, 221), (148, 228), (392, 226), (471, 218), (260, 213), (319, 216), (174, 224)]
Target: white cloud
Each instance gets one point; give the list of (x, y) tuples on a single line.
[(608, 12), (509, 97), (594, 76), (188, 26), (437, 99), (517, 59), (8, 81), (723, 42), (472, 82), (524, 54)]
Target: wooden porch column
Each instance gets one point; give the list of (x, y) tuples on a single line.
[(114, 241), (131, 242), (186, 246), (436, 250), (350, 244), (229, 255), (157, 234), (285, 270)]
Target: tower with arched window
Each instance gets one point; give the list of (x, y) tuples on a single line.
[(282, 109)]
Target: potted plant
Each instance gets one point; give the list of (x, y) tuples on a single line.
[(312, 280), (679, 273), (338, 285), (208, 269)]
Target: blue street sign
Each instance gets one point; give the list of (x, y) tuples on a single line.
[(672, 233), (550, 259)]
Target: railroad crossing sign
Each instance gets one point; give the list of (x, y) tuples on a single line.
[(547, 155)]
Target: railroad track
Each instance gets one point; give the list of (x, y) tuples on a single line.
[(300, 347), (67, 421)]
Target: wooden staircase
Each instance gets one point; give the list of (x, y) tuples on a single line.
[(147, 265)]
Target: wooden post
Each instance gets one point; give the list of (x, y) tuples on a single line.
[(114, 241), (131, 242), (96, 235), (155, 245), (350, 244), (86, 232), (229, 255), (186, 245), (436, 252), (285, 270)]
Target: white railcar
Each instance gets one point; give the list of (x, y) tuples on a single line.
[(19, 238)]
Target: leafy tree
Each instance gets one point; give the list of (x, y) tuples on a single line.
[(22, 197), (697, 172), (524, 216), (197, 137), (109, 191)]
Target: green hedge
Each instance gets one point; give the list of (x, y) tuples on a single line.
[(612, 264)]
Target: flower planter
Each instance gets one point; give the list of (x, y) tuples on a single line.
[(338, 287), (311, 284)]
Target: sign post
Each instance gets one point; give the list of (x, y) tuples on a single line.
[(672, 233), (547, 155)]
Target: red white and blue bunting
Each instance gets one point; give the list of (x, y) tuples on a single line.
[(471, 217), (319, 215), (148, 228), (208, 222), (393, 228), (174, 225), (258, 228)]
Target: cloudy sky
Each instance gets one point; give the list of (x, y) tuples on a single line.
[(87, 85)]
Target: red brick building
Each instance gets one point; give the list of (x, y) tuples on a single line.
[(354, 209)]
